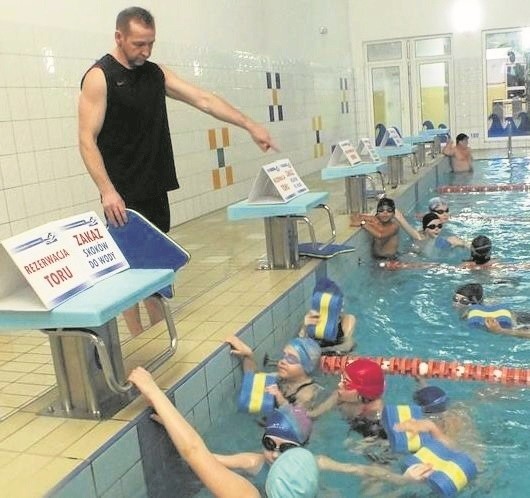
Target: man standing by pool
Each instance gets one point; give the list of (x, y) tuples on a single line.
[(124, 135), (460, 154), (383, 228)]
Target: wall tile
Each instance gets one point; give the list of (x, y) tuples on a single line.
[(82, 484), (109, 467)]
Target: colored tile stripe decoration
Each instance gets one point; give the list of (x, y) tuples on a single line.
[(274, 85), (223, 175), (344, 104), (318, 148)]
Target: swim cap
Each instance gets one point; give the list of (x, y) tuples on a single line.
[(436, 202), (386, 202), (474, 292), (289, 422), (294, 474), (432, 399), (366, 377), (481, 249), (309, 352), (426, 220)]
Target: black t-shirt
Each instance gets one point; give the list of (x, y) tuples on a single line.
[(134, 140)]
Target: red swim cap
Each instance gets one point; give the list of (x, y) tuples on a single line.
[(366, 377)]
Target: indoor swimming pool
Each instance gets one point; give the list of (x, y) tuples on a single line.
[(409, 313)]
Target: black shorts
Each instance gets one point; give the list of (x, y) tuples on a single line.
[(155, 209)]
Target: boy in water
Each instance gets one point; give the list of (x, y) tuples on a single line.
[(301, 357), (383, 228), (469, 301), (452, 425), (460, 154)]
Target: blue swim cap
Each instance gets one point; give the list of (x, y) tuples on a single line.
[(293, 475), (289, 422), (309, 352), (437, 202), (432, 399)]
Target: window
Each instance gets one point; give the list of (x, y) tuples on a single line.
[(433, 47), (386, 51), (507, 64)]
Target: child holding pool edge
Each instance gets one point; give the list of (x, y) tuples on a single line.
[(301, 357), (293, 474)]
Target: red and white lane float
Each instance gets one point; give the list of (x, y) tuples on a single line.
[(495, 187), (435, 369)]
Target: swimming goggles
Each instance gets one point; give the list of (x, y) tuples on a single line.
[(385, 210), (432, 226), (270, 445), (440, 211), (481, 249), (461, 300), (291, 359)]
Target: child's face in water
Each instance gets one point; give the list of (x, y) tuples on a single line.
[(289, 366), (274, 446), (347, 395), (442, 211)]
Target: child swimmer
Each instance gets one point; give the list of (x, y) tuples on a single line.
[(301, 357), (359, 398)]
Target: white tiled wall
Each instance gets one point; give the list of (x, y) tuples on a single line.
[(225, 46)]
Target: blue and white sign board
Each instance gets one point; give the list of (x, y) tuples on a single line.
[(277, 182), (391, 133), (45, 266), (344, 153), (367, 147)]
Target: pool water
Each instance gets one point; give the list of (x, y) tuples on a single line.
[(409, 313)]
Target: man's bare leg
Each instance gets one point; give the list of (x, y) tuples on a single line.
[(154, 310), (133, 321)]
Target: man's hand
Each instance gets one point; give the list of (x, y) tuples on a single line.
[(262, 138), (114, 207)]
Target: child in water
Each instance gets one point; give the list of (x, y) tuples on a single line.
[(468, 299), (429, 240), (460, 155), (345, 330), (450, 424), (289, 427), (328, 324), (359, 398), (301, 357), (285, 428), (293, 473)]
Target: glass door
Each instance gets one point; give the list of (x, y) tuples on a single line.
[(388, 101), (410, 84), (433, 108)]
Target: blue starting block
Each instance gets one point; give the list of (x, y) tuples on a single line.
[(83, 331), (281, 232), (394, 157), (355, 183)]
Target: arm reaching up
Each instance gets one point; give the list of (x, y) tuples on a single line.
[(219, 480)]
